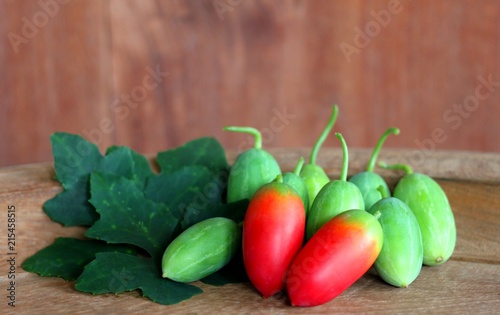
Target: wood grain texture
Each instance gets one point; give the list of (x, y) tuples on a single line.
[(59, 79), (468, 283), (275, 65)]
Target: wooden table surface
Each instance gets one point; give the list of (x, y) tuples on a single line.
[(467, 284)]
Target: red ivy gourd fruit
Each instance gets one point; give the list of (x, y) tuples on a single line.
[(273, 233), (334, 258)]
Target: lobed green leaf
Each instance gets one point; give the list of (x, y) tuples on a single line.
[(205, 151), (127, 216), (191, 187), (117, 273), (66, 257), (124, 202), (74, 159), (234, 211), (71, 207)]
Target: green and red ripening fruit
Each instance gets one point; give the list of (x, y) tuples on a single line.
[(314, 176), (431, 207), (334, 258), (335, 197), (368, 182), (273, 232), (252, 168)]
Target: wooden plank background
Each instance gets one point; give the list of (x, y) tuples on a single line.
[(153, 74), (467, 284)]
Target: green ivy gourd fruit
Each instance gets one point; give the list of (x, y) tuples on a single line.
[(296, 182), (252, 168), (430, 205), (369, 181), (314, 176), (400, 260), (201, 249), (335, 197)]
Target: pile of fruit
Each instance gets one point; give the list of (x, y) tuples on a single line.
[(296, 232)]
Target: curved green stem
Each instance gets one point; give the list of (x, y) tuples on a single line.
[(400, 167), (377, 214), (279, 178), (250, 130), (345, 162), (382, 191), (376, 150), (323, 135), (299, 165)]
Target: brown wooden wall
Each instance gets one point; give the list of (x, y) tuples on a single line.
[(152, 74)]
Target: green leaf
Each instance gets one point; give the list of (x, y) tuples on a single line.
[(205, 151), (235, 211), (127, 216), (124, 202), (66, 257), (121, 160), (71, 207), (74, 159), (191, 186), (116, 273)]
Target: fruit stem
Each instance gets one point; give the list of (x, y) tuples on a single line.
[(279, 178), (377, 214), (400, 167), (376, 150), (250, 130), (382, 191), (323, 135), (345, 162), (299, 165)]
